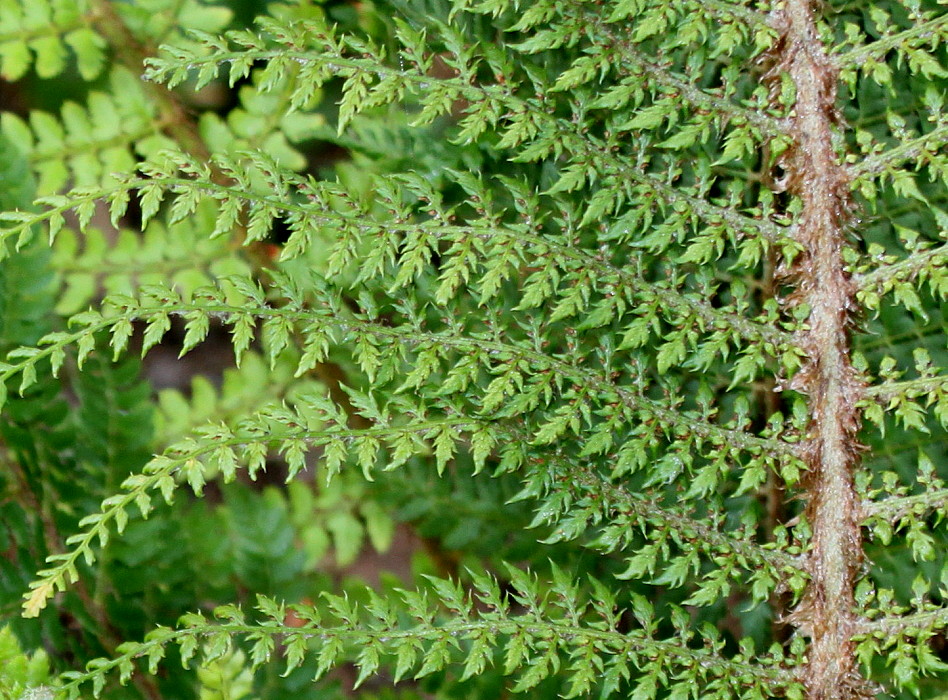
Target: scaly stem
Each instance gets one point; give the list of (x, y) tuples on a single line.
[(815, 175)]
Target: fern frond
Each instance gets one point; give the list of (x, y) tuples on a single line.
[(906, 638), (528, 124), (899, 511), (180, 254), (242, 389), (920, 150), (926, 265), (217, 448), (319, 207), (674, 269), (575, 498), (86, 144), (629, 56), (932, 388), (928, 29), (368, 335), (44, 33), (534, 643)]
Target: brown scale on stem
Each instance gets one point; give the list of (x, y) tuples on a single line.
[(814, 174)]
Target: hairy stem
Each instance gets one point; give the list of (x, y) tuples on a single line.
[(815, 175)]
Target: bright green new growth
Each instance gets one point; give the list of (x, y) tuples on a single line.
[(675, 269), (22, 675)]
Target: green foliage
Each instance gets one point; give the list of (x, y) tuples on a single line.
[(629, 315), (21, 674)]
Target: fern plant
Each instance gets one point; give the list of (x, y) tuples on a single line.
[(655, 289)]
